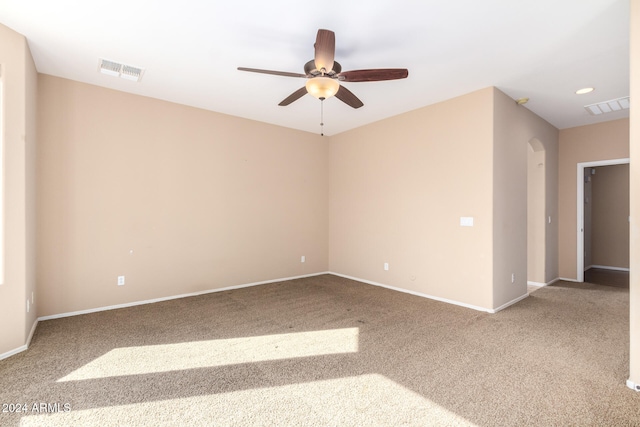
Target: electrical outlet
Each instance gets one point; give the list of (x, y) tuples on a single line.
[(513, 277), (386, 266), (303, 258), (120, 280), (27, 306)]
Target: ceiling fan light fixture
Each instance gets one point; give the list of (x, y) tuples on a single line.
[(322, 87)]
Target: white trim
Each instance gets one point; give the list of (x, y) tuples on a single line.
[(580, 210), (13, 352), (22, 347), (633, 386), (510, 303), (33, 330), (568, 280), (538, 284), (151, 301), (419, 294), (606, 267), (246, 285)]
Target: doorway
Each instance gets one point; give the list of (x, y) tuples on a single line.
[(584, 245)]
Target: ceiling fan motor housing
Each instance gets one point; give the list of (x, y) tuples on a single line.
[(310, 69)]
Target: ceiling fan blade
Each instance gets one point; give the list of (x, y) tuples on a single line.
[(276, 73), (325, 50), (294, 96), (346, 96), (373, 75)]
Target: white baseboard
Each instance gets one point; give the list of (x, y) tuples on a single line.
[(246, 285), (13, 352), (420, 294), (568, 280), (131, 304), (510, 303), (33, 330), (608, 267), (540, 284), (151, 301), (22, 347), (633, 386)]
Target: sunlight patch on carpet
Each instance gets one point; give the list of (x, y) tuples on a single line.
[(204, 354), (369, 399)]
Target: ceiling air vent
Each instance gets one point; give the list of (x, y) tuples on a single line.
[(117, 69), (608, 106)]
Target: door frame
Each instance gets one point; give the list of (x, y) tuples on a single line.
[(580, 209)]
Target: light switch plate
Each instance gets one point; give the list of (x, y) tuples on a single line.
[(466, 221)]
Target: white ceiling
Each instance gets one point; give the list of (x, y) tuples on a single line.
[(190, 49)]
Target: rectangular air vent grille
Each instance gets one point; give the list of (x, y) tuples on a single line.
[(608, 106), (117, 69)]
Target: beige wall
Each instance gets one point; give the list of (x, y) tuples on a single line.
[(398, 190), (536, 213), (176, 199), (400, 186), (602, 141), (515, 129), (31, 188), (635, 197), (180, 200), (610, 216), (19, 87)]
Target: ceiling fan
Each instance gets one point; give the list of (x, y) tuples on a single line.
[(324, 74)]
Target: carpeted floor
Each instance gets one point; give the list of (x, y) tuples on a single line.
[(607, 277), (330, 351)]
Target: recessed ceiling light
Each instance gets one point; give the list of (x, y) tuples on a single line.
[(584, 90)]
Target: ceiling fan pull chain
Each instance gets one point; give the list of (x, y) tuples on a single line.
[(321, 116)]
